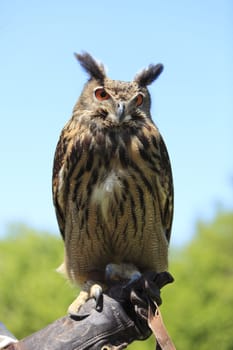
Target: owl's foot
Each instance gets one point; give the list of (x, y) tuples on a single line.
[(123, 271), (90, 290)]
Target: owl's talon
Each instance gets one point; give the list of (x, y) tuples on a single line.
[(96, 292), (90, 291), (74, 308)]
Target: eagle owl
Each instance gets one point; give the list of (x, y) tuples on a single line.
[(112, 182)]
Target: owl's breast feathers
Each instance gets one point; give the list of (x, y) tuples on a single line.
[(122, 177)]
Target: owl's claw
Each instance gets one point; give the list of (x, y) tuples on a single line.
[(77, 303), (90, 291), (96, 292)]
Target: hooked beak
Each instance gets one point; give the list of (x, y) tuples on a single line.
[(120, 111)]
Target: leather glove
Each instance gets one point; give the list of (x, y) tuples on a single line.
[(122, 319)]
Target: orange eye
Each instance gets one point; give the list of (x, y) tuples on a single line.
[(139, 100), (101, 94)]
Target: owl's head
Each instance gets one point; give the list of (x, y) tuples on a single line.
[(115, 102)]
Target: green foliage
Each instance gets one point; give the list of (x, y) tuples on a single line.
[(197, 308), (32, 294)]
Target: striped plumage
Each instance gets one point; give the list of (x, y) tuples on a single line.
[(112, 180)]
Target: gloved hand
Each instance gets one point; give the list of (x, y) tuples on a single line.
[(122, 320), (137, 296)]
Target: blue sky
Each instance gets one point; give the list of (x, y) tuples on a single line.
[(192, 100)]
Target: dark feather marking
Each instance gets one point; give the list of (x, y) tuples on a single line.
[(72, 162), (86, 220), (93, 68), (142, 204), (113, 136), (124, 197), (126, 136), (89, 191), (133, 131), (144, 140), (90, 159), (124, 159), (60, 214), (145, 155), (105, 237), (168, 210), (106, 161), (82, 222), (132, 207), (154, 141), (115, 237), (59, 153), (77, 148), (148, 159), (142, 176), (124, 242), (126, 184), (141, 198), (148, 75), (73, 159), (94, 176), (124, 232), (74, 195), (80, 173), (121, 207), (114, 141), (156, 156), (78, 182), (116, 198), (113, 212), (98, 223), (165, 210), (106, 244), (79, 202)]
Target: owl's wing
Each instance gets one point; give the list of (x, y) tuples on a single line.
[(165, 187), (59, 159)]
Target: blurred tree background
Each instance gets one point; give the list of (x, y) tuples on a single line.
[(197, 308)]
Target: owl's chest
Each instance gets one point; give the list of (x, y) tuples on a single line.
[(111, 170), (110, 177), (109, 191)]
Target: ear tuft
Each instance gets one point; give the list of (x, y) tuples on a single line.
[(92, 67), (148, 75)]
